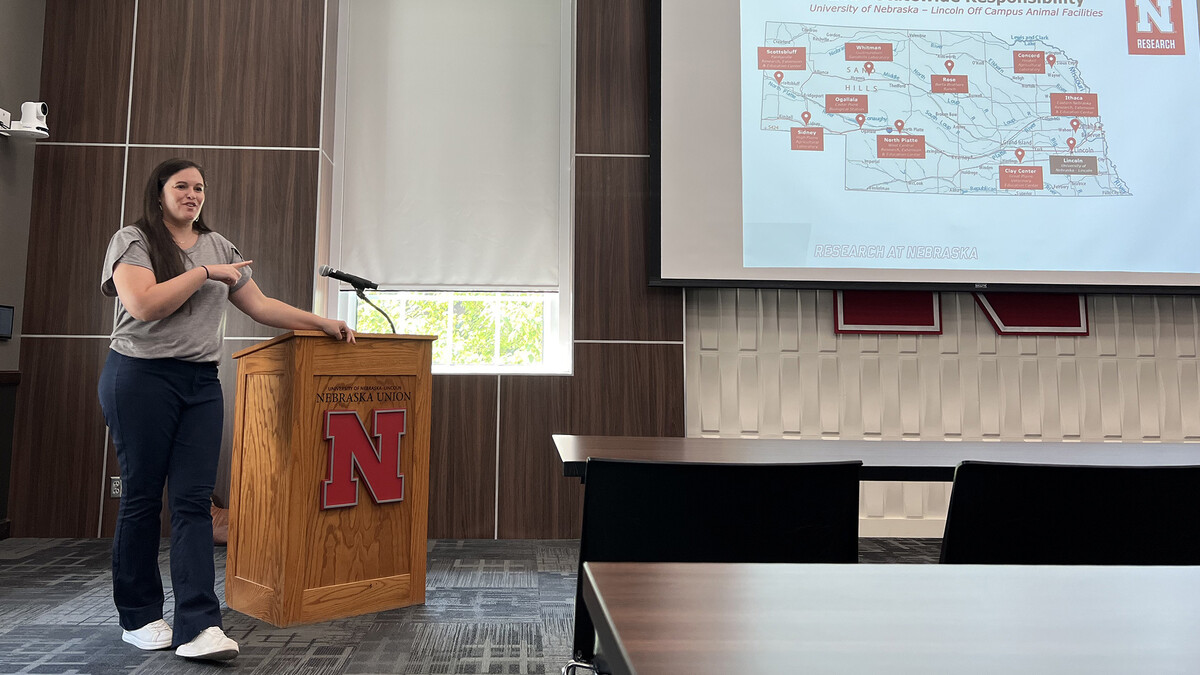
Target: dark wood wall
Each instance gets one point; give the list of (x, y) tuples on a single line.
[(204, 73), (20, 70), (9, 381), (246, 75)]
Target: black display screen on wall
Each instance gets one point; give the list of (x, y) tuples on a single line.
[(6, 322)]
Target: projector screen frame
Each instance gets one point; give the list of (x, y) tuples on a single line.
[(653, 232)]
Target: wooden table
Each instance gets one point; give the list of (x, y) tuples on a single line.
[(703, 619), (882, 460)]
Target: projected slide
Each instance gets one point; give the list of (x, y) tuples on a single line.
[(972, 135)]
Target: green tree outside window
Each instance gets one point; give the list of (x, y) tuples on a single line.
[(488, 329)]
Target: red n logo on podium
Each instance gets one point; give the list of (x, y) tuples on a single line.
[(351, 451)]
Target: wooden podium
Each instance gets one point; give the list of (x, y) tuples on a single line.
[(321, 526)]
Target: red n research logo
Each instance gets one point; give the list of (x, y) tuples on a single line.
[(352, 451), (1155, 26)]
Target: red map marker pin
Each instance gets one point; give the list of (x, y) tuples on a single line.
[(806, 116), (1075, 125), (860, 118), (1020, 154), (949, 66), (1071, 143), (869, 67), (1050, 58), (899, 125), (778, 77)]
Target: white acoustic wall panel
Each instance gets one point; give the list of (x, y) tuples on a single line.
[(768, 364)]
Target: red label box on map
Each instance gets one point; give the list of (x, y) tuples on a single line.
[(845, 103), (782, 58), (889, 146), (808, 138), (868, 51), (1029, 62), (1021, 178), (1075, 105), (949, 84)]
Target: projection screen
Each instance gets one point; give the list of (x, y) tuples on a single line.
[(926, 143)]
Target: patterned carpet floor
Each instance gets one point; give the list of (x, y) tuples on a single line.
[(502, 607)]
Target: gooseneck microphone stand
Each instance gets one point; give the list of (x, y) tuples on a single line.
[(359, 285), (363, 296)]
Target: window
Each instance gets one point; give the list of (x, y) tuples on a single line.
[(477, 331), (452, 176)]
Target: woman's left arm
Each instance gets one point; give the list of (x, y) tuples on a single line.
[(250, 299)]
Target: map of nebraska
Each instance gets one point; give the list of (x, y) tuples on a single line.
[(938, 112)]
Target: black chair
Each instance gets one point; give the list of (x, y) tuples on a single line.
[(683, 512), (1041, 514)]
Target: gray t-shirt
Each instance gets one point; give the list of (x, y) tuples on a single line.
[(193, 332)]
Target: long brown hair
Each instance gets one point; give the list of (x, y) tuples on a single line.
[(165, 256)]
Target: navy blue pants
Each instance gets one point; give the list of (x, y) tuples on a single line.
[(165, 417)]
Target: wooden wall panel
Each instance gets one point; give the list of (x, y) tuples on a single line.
[(617, 389), (611, 112), (612, 298), (462, 465), (228, 72), (9, 381), (58, 442), (109, 506), (76, 209), (85, 69), (265, 202), (535, 500), (227, 372)]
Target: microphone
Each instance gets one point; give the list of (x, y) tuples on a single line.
[(357, 282), (359, 285)]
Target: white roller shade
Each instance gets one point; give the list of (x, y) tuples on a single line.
[(452, 142)]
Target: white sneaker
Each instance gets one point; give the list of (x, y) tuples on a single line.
[(154, 635), (211, 644)]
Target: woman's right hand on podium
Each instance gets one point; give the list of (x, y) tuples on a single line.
[(338, 329)]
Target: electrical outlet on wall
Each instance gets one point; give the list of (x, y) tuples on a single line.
[(114, 487)]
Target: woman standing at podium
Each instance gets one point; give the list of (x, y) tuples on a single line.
[(172, 277)]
